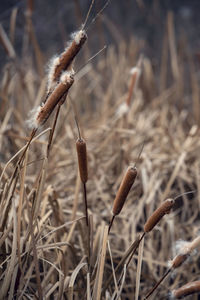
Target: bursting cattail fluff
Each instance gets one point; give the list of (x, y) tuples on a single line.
[(187, 289), (82, 159), (165, 208), (124, 189), (135, 72), (43, 112), (185, 251), (63, 62)]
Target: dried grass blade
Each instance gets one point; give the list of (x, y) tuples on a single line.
[(11, 266), (130, 250), (35, 255), (99, 275), (122, 284), (73, 278), (139, 267), (76, 193), (50, 292), (12, 285), (40, 188), (21, 150), (19, 213), (13, 24), (174, 174), (88, 287), (112, 265), (6, 43)]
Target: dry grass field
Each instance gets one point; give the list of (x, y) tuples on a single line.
[(115, 111)]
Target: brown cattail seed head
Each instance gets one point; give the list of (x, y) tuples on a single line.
[(179, 260), (124, 189), (158, 214), (187, 289), (70, 53), (82, 159), (62, 88)]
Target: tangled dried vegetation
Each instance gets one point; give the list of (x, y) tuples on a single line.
[(61, 236)]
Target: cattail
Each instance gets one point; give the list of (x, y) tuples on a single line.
[(158, 214), (82, 159), (124, 189), (179, 260), (44, 111), (63, 62), (194, 244), (185, 252), (135, 72), (187, 289)]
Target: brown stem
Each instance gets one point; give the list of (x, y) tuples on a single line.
[(110, 224), (131, 256), (157, 284)]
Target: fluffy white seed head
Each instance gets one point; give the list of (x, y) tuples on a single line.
[(171, 295), (135, 70), (122, 110), (54, 62), (32, 120), (67, 76), (182, 247), (78, 35)]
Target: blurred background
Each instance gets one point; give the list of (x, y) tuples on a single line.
[(145, 20), (163, 112)]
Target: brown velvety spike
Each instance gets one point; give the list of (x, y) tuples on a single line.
[(187, 289), (82, 159), (158, 214), (53, 99), (179, 260), (70, 53), (124, 189)]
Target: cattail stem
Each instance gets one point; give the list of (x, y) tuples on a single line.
[(111, 222), (131, 256), (176, 262), (157, 284)]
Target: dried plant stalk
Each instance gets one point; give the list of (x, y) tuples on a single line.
[(187, 289), (124, 189), (165, 208), (82, 159)]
